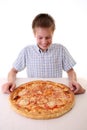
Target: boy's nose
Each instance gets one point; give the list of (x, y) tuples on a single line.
[(44, 40)]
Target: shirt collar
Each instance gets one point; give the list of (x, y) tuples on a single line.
[(39, 50)]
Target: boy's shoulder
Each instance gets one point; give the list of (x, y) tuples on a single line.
[(57, 45), (29, 47)]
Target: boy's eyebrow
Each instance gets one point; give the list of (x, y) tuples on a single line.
[(44, 37)]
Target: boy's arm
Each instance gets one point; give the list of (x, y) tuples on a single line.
[(10, 85), (72, 75), (74, 85), (12, 75)]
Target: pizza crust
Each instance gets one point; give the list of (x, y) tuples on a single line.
[(50, 99)]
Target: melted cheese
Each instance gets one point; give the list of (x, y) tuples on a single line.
[(51, 104), (23, 102)]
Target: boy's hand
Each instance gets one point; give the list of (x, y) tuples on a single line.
[(8, 87), (76, 87)]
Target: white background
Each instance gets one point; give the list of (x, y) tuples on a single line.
[(15, 29)]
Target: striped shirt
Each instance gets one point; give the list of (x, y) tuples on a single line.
[(48, 64)]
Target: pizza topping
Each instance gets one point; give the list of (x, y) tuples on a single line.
[(51, 104), (61, 102), (39, 92), (23, 102), (16, 97), (23, 92), (32, 99)]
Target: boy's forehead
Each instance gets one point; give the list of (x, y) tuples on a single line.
[(42, 29)]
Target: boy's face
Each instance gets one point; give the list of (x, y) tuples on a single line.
[(43, 37)]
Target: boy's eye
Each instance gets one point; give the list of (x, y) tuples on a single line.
[(40, 37), (45, 38)]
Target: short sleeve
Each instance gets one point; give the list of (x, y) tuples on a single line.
[(20, 62), (67, 60)]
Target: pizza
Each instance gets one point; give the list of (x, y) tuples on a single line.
[(40, 99)]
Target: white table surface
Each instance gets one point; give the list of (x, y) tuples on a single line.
[(76, 119)]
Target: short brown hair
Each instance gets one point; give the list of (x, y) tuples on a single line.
[(43, 20)]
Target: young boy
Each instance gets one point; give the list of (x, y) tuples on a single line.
[(44, 60)]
